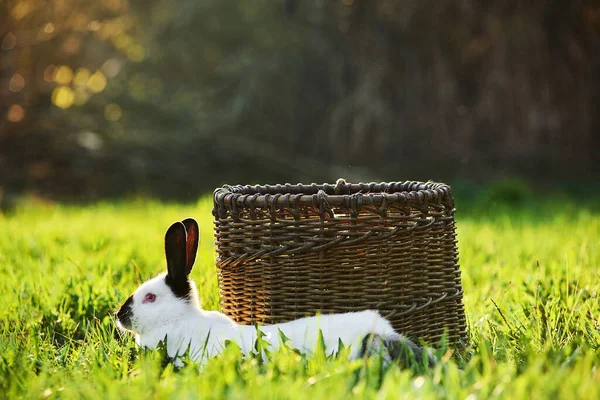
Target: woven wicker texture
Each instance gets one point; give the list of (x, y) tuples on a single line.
[(289, 251)]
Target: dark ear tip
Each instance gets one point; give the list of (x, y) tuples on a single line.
[(176, 227), (190, 222)]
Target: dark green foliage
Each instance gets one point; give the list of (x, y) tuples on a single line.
[(510, 192), (201, 93)]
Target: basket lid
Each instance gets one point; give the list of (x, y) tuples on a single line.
[(347, 195)]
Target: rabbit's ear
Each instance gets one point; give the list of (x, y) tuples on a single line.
[(175, 252), (191, 243)]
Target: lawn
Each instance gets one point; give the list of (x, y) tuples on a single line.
[(530, 272)]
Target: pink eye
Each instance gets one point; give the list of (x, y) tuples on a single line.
[(149, 298)]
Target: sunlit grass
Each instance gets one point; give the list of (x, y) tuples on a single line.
[(530, 273)]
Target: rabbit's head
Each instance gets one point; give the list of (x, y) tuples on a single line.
[(171, 296)]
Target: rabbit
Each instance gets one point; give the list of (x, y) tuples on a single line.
[(167, 309)]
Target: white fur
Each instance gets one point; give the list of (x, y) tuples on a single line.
[(185, 323)]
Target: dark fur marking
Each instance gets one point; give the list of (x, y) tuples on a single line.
[(124, 313), (403, 351), (181, 288), (367, 344), (407, 353)]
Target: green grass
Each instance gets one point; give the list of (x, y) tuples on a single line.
[(530, 273)]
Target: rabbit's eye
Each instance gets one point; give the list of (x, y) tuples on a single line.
[(149, 298)]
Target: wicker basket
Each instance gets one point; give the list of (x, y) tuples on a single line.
[(288, 251)]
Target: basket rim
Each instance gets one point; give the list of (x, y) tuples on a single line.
[(340, 194)]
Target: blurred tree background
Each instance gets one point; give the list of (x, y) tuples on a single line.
[(172, 98)]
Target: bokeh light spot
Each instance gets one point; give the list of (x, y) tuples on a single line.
[(90, 140), (21, 10), (63, 75), (111, 28), (97, 82), (50, 73), (122, 41), (49, 28), (15, 113), (82, 76), (136, 53), (9, 41), (94, 25), (17, 83), (113, 112), (111, 67), (63, 97)]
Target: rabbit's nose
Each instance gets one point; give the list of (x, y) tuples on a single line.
[(125, 312), (124, 317)]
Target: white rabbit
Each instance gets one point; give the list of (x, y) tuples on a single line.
[(167, 308)]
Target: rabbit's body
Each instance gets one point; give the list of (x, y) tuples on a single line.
[(207, 332), (167, 308)]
